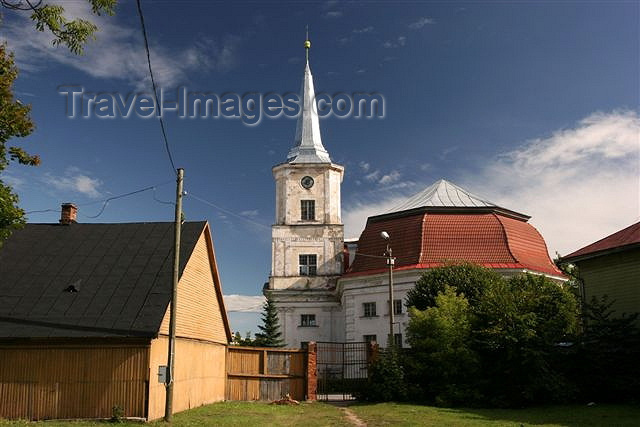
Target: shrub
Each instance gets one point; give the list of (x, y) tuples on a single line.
[(604, 361), (385, 381), (499, 345), (444, 362)]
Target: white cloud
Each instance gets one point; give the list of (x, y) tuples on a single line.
[(421, 23), (75, 180), (364, 166), (390, 178), (363, 30), (244, 303), (333, 14), (355, 215), (250, 213), (578, 184), (373, 176), (398, 42), (117, 52)]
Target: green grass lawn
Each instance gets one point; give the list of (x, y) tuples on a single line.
[(392, 414), (247, 414), (243, 414)]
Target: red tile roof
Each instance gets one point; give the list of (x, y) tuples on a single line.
[(424, 240), (622, 238)]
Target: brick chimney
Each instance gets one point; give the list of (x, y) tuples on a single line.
[(68, 214)]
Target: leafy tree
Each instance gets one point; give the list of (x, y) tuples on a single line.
[(269, 335), (50, 17), (498, 345), (246, 341), (465, 278), (519, 326), (15, 121), (444, 360)]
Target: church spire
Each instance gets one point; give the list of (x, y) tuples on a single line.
[(308, 146)]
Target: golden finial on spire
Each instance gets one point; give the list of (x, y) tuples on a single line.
[(307, 44)]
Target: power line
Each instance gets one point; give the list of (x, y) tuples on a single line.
[(227, 211), (153, 83), (106, 201)]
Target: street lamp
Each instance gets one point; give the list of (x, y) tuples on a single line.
[(390, 263)]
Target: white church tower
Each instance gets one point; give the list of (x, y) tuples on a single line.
[(308, 236)]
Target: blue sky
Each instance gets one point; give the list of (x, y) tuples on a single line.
[(532, 105)]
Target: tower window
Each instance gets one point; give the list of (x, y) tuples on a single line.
[(308, 265), (308, 210)]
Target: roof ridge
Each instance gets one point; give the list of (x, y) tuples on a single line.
[(506, 237)]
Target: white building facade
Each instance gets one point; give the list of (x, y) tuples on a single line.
[(326, 289)]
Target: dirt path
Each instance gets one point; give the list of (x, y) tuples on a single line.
[(353, 418)]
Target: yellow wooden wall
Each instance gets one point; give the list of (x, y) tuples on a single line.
[(200, 375), (199, 312), (616, 275), (72, 381)]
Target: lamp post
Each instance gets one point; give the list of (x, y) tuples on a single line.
[(390, 263)]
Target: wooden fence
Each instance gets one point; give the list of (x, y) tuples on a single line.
[(257, 373)]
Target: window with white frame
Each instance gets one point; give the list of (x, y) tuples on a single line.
[(369, 309), (307, 320), (308, 264), (308, 210), (397, 306)]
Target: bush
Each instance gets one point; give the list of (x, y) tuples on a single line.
[(443, 360), (604, 360), (498, 345), (385, 381)]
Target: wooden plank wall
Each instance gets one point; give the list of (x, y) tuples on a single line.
[(199, 377), (72, 381), (256, 373)]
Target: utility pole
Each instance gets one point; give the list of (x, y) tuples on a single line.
[(168, 407), (390, 263)]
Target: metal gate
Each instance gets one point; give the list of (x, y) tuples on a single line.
[(342, 369)]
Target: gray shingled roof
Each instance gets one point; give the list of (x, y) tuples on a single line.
[(89, 280), (442, 193)]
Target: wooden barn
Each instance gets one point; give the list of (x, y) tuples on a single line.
[(84, 320)]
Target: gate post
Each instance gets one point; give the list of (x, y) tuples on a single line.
[(372, 352), (312, 373)]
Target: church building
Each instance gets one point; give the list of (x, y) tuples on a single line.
[(327, 289)]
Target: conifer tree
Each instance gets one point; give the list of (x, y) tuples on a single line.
[(270, 335)]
